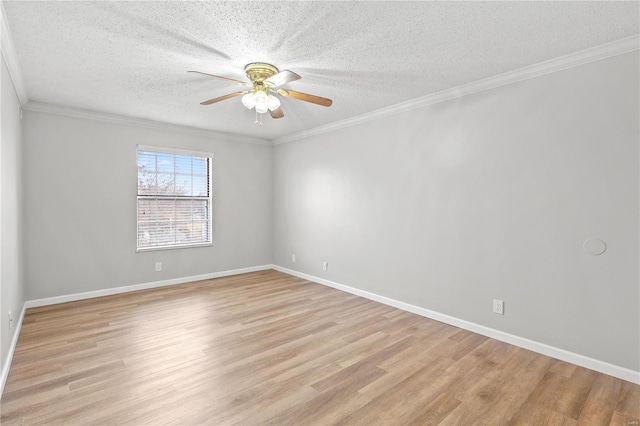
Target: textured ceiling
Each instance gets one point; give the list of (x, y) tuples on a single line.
[(131, 58)]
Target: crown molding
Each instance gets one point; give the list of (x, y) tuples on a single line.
[(11, 59), (140, 122), (597, 53)]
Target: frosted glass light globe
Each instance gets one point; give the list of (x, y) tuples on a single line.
[(273, 102), (261, 108), (260, 97), (248, 100)]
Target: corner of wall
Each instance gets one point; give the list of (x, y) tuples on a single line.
[(11, 58), (13, 95)]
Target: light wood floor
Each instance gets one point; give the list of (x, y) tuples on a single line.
[(268, 348)]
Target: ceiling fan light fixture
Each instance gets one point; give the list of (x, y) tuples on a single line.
[(248, 100), (261, 101)]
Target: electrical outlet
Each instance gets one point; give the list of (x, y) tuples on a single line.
[(293, 258), (158, 266), (498, 307), (10, 321), (325, 266)]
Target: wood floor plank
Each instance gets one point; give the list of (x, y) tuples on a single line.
[(515, 380), (268, 348), (629, 400)]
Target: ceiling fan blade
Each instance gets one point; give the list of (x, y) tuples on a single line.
[(231, 80), (281, 78), (222, 98), (305, 97), (277, 113)]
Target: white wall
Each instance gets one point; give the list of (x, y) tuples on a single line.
[(80, 206), (487, 196), (11, 264)]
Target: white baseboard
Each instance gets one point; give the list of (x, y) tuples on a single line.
[(125, 289), (12, 349), (542, 348)]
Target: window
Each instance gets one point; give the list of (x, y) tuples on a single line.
[(174, 198)]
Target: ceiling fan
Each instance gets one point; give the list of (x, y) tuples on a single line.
[(265, 81)]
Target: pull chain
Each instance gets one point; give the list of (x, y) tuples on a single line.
[(258, 122)]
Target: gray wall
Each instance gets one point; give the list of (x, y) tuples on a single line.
[(80, 206), (11, 265), (487, 196)]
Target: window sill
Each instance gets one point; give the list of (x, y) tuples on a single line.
[(183, 246)]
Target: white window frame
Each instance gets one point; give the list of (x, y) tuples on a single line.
[(209, 198)]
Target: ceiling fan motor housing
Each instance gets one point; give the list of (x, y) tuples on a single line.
[(258, 72)]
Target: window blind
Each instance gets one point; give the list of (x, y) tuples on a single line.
[(174, 199)]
